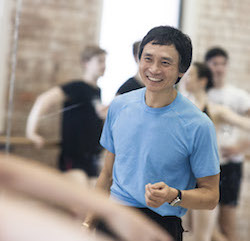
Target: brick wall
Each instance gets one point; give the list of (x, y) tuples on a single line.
[(52, 34), (224, 23)]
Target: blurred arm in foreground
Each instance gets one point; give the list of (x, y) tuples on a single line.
[(51, 186)]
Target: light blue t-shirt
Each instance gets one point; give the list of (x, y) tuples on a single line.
[(174, 144)]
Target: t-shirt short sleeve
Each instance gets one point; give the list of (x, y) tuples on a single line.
[(107, 138), (204, 158)]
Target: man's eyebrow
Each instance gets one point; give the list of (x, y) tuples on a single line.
[(147, 54), (168, 59)]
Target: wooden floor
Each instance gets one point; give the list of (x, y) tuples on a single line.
[(243, 210)]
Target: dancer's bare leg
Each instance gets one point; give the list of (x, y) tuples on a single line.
[(203, 224)]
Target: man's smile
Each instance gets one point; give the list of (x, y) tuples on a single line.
[(154, 79)]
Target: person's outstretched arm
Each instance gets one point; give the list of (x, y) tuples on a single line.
[(230, 117), (41, 106), (17, 218), (51, 186)]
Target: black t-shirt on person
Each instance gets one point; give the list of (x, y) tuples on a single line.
[(81, 126), (129, 85)]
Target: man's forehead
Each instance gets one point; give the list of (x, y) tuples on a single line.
[(155, 43), (166, 50)]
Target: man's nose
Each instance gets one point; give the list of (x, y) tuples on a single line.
[(155, 68)]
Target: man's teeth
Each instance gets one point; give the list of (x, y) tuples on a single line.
[(154, 79)]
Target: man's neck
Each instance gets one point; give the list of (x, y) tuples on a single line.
[(158, 100)]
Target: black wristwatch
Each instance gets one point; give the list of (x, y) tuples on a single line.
[(176, 202)]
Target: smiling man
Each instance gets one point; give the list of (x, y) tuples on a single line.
[(158, 144)]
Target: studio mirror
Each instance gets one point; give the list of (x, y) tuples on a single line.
[(42, 40)]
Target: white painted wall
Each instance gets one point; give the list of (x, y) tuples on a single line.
[(123, 23)]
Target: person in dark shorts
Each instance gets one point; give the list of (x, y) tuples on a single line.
[(230, 181), (230, 141), (82, 116), (198, 82)]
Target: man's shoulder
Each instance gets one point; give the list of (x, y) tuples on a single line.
[(184, 105), (189, 113), (123, 101), (129, 97)]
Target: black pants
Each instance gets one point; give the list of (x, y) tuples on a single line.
[(171, 224), (87, 162)]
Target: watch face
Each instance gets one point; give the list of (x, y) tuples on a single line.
[(176, 202)]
